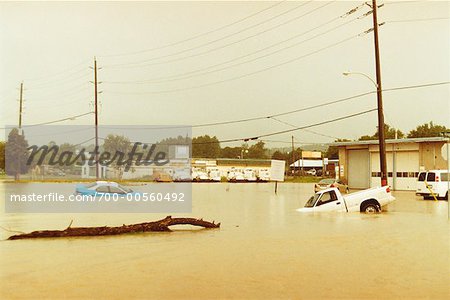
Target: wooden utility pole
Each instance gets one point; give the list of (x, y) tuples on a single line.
[(20, 107), (19, 166), (293, 156), (381, 138), (96, 120)]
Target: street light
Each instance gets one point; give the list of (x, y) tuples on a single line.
[(446, 134), (242, 152), (362, 74), (381, 139)]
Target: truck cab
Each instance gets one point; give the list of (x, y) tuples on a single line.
[(327, 200)]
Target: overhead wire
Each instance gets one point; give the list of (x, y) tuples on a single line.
[(198, 35), (273, 116), (57, 73), (186, 75), (307, 130), (257, 137), (417, 20), (54, 121), (212, 41), (239, 76)]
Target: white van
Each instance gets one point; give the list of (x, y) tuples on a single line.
[(437, 181)]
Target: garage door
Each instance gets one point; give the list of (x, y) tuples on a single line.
[(358, 168), (407, 168)]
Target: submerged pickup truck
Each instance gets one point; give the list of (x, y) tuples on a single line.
[(368, 201)]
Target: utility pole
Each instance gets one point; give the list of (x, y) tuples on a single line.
[(20, 107), (293, 156), (381, 139), (96, 120), (20, 130)]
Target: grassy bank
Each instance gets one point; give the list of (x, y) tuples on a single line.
[(302, 179)]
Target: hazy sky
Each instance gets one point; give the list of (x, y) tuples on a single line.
[(247, 64)]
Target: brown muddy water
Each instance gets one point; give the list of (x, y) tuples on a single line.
[(265, 249)]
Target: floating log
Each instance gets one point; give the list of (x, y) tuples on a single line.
[(161, 225)]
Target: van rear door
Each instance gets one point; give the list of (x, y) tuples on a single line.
[(421, 187)]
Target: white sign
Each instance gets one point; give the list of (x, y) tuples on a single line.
[(277, 170), (311, 154)]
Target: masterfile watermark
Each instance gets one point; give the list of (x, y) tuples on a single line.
[(114, 168), (146, 157)]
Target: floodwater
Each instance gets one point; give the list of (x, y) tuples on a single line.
[(264, 249)]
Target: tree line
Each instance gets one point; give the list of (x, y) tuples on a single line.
[(209, 146)]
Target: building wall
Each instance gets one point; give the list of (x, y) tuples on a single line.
[(404, 161), (431, 156)]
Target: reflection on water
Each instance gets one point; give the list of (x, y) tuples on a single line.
[(265, 249)]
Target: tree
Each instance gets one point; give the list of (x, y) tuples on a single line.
[(426, 130), (116, 144), (257, 151), (333, 151), (16, 154), (389, 133), (2, 155), (231, 152), (279, 155), (205, 147)]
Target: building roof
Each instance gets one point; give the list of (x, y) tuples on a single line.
[(393, 141), (308, 163), (244, 162)]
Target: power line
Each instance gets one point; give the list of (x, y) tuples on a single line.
[(273, 116), (57, 73), (402, 2), (317, 124), (416, 86), (244, 75), (255, 118), (198, 35), (182, 77), (288, 142), (418, 20), (55, 121), (307, 130), (292, 130), (65, 80), (75, 90), (264, 117), (215, 40)]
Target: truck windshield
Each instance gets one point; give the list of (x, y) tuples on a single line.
[(312, 200)]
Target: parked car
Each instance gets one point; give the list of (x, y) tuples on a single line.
[(213, 174), (102, 187), (311, 172), (437, 181), (249, 174), (331, 200), (264, 175), (199, 175), (182, 174), (235, 175), (330, 183)]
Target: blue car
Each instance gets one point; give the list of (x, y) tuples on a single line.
[(102, 187)]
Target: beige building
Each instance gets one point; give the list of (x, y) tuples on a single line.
[(359, 162)]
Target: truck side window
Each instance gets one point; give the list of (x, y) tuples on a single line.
[(327, 197), (431, 177)]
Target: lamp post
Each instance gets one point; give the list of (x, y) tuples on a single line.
[(242, 152), (446, 134), (381, 139)]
